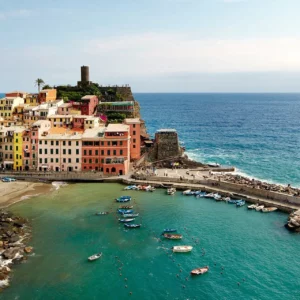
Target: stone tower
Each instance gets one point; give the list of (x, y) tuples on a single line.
[(85, 77)]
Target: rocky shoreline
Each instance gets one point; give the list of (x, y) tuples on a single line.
[(15, 232)]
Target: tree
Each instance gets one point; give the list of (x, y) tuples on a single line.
[(39, 82), (47, 87)]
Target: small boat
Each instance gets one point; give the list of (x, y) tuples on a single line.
[(240, 203), (122, 200), (130, 187), (171, 191), (200, 271), (95, 257), (125, 211), (226, 199), (172, 236), (217, 197), (150, 188), (269, 209), (201, 195), (196, 193), (182, 249), (252, 206), (132, 225), (130, 215), (102, 213), (210, 195), (231, 201), (186, 192), (126, 220), (259, 208), (126, 206), (8, 179), (168, 230)]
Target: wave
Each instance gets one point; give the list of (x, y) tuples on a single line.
[(58, 184)]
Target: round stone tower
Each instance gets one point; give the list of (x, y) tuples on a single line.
[(85, 74)]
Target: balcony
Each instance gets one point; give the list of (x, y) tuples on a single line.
[(110, 161)]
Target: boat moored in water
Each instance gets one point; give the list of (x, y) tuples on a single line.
[(172, 236), (182, 249), (259, 208), (200, 271), (102, 213), (125, 211), (168, 230), (126, 220), (130, 215), (186, 192), (231, 201), (210, 195), (132, 225), (269, 209), (252, 206), (240, 203), (95, 256), (130, 187), (171, 191), (126, 206), (123, 199)]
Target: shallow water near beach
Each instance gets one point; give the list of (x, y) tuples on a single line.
[(240, 246)]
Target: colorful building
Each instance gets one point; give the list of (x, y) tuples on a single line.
[(118, 106), (18, 148), (47, 95), (87, 105), (7, 106), (135, 138)]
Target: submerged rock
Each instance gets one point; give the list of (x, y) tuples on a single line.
[(28, 249)]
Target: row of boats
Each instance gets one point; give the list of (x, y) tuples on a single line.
[(8, 179), (146, 188), (171, 234), (127, 213), (261, 208)]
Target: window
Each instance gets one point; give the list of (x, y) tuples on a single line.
[(96, 152), (51, 160), (90, 161), (90, 153), (56, 151), (114, 152), (70, 143), (134, 140), (41, 160), (102, 160), (133, 126), (46, 151), (133, 146), (40, 151), (17, 140), (33, 155), (77, 151), (69, 160), (108, 143), (5, 147), (40, 142), (46, 142), (77, 143), (64, 151), (102, 143), (77, 160), (121, 143), (108, 152), (121, 152), (64, 160), (84, 152), (102, 152), (96, 161), (84, 160), (56, 160), (70, 151), (17, 156), (46, 160), (64, 143), (134, 132), (57, 143), (51, 151), (52, 143)]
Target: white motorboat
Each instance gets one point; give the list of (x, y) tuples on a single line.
[(200, 271), (259, 208), (217, 197), (186, 192), (226, 199), (182, 249), (95, 256), (171, 191), (268, 209), (210, 195), (252, 206)]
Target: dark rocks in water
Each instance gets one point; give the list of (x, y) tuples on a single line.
[(10, 253), (14, 239)]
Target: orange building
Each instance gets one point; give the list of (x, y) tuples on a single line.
[(135, 138), (47, 95)]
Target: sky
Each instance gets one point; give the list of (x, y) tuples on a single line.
[(152, 45)]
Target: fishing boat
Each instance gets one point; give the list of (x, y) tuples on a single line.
[(102, 213), (130, 215), (186, 192), (130, 187), (172, 236), (123, 199), (8, 179), (231, 201), (217, 197), (132, 225), (150, 188), (168, 230), (240, 203), (200, 271), (201, 195), (182, 249), (259, 208), (210, 195), (125, 211), (126, 220), (171, 191), (269, 209), (252, 206), (196, 193), (95, 257), (126, 206)]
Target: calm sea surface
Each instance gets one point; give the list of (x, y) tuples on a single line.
[(242, 246), (257, 133)]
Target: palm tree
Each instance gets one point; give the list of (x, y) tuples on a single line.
[(39, 82)]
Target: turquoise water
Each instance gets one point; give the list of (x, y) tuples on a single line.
[(246, 246), (257, 133)]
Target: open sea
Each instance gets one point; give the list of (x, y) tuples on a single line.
[(251, 255)]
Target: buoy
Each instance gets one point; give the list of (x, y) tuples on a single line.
[(125, 279)]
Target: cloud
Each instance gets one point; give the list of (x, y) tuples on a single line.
[(20, 13)]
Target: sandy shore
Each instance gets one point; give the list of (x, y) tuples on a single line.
[(12, 192)]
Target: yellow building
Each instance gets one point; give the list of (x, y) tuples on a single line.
[(31, 100), (7, 106), (47, 95), (17, 146)]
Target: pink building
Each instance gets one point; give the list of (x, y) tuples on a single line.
[(135, 138), (64, 109), (87, 105)]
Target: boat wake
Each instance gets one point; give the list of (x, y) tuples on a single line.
[(58, 184)]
